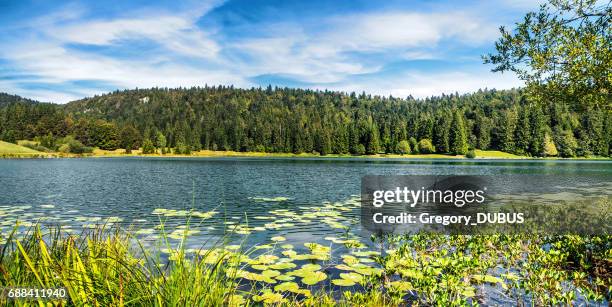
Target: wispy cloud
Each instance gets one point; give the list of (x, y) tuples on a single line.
[(421, 85), (376, 31), (57, 65), (298, 58), (177, 33), (337, 52), (49, 54)]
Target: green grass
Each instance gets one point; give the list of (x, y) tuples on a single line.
[(109, 268), (11, 150), (495, 154), (491, 154)]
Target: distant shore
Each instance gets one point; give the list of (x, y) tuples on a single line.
[(98, 153)]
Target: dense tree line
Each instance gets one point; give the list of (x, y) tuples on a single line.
[(325, 122)]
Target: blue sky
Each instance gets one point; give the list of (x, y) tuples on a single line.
[(61, 51)]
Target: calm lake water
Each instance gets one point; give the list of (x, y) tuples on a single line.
[(84, 191), (296, 201)]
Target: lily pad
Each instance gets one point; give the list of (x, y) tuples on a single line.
[(264, 259), (270, 273), (343, 282), (344, 267), (260, 267), (269, 297), (285, 277), (365, 253), (311, 267), (283, 266), (288, 286), (291, 287), (354, 277), (254, 276), (317, 248), (350, 260), (312, 278)]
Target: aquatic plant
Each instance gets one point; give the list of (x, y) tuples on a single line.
[(109, 268), (108, 265)]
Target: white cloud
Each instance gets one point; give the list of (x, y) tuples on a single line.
[(366, 32), (422, 85), (55, 65), (324, 57), (177, 33), (294, 56)]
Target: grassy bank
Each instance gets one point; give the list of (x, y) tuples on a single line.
[(9, 150), (480, 154), (111, 268), (219, 154)]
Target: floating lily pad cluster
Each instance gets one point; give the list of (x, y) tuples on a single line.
[(284, 269), (183, 213), (432, 269)]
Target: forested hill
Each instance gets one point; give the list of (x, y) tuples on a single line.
[(296, 120), (6, 99)]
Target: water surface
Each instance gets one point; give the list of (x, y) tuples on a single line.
[(82, 192)]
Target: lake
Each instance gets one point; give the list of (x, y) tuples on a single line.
[(262, 197), (274, 206)]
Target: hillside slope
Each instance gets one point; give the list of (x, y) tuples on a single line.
[(9, 149), (6, 99)]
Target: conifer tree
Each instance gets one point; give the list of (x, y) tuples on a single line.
[(482, 130), (373, 141), (523, 131), (442, 132), (458, 138), (538, 131), (505, 130)]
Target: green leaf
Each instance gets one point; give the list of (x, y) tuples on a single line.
[(312, 278)]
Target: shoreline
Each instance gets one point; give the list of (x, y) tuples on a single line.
[(120, 153)]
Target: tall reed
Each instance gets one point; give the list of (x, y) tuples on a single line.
[(105, 267)]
